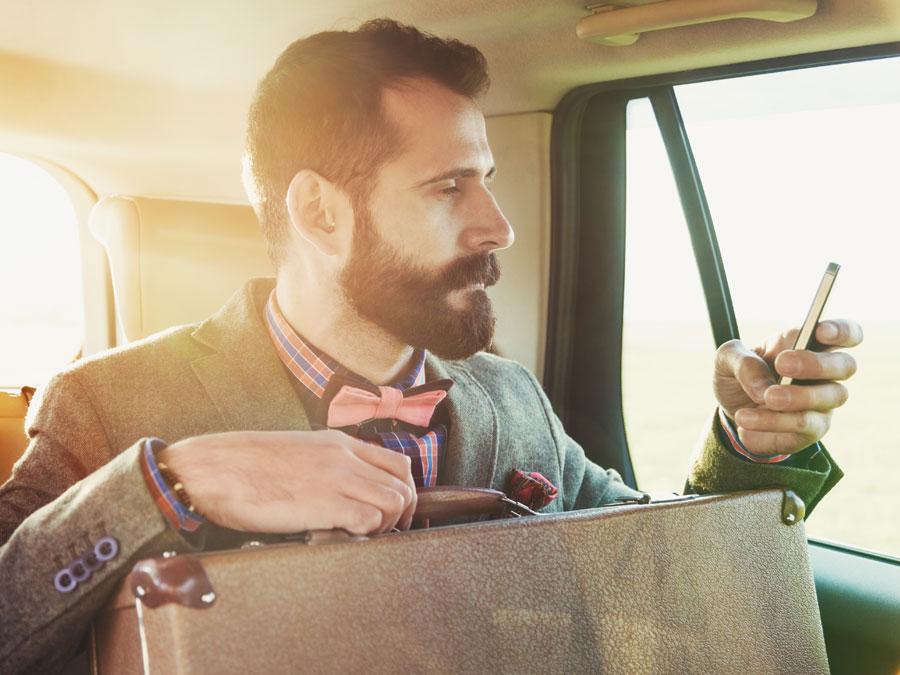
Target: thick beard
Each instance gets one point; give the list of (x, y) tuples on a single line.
[(412, 304)]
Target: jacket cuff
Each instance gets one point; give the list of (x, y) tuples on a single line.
[(183, 518), (716, 468), (109, 513)]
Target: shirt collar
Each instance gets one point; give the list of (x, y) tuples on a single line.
[(313, 367)]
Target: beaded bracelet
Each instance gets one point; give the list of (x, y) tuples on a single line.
[(176, 486)]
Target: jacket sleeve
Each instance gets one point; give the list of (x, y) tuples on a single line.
[(715, 468), (584, 483), (69, 493)]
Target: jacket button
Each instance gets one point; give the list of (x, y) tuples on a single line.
[(91, 561), (79, 571), (64, 581), (106, 549)]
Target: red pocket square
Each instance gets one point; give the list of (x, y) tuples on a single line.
[(531, 489)]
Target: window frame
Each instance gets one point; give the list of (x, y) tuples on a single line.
[(858, 591), (582, 375)]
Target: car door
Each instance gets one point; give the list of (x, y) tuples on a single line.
[(755, 175)]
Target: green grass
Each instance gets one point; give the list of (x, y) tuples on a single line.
[(667, 390)]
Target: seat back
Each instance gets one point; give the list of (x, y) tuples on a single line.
[(13, 441), (175, 262)]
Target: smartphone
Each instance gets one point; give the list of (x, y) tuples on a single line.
[(805, 337)]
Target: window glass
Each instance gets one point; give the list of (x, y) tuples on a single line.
[(800, 168), (667, 346), (41, 301)]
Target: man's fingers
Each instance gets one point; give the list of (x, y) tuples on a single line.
[(750, 371), (379, 488), (399, 466), (807, 365), (363, 493), (797, 398), (764, 432), (836, 333), (395, 463), (786, 418), (806, 423), (778, 343), (406, 518), (357, 517)]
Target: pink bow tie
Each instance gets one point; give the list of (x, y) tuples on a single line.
[(353, 405)]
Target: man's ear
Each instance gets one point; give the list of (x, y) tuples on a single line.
[(311, 214)]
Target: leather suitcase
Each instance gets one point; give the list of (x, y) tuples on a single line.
[(711, 584)]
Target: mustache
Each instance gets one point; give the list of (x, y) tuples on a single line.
[(479, 268)]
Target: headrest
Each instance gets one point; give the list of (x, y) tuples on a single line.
[(175, 262)]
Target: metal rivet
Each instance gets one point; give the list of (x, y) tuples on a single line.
[(792, 508)]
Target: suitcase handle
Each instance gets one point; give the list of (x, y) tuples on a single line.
[(442, 502)]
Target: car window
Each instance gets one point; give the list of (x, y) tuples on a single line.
[(799, 169), (666, 401), (41, 322)]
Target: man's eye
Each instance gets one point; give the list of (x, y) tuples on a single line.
[(450, 190)]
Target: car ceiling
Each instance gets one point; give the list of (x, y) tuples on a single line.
[(150, 98)]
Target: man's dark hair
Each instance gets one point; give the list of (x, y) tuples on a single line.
[(319, 108)]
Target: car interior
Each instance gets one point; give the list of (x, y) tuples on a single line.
[(138, 111)]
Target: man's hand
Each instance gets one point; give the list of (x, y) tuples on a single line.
[(773, 419), (289, 481)]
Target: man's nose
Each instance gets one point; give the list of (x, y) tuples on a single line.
[(488, 228)]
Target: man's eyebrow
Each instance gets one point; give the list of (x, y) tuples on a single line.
[(453, 174)]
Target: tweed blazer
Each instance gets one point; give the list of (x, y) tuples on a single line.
[(79, 481)]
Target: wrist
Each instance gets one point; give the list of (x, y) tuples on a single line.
[(167, 489), (733, 441), (174, 484)]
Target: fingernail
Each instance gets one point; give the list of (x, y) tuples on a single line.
[(828, 331), (778, 398), (788, 364), (759, 389)]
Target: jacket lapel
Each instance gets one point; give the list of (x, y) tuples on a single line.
[(249, 386), (244, 376), (470, 458)]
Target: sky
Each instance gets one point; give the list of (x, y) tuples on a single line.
[(790, 189)]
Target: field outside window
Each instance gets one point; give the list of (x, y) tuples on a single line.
[(799, 168)]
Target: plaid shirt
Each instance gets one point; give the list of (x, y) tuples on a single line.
[(313, 369)]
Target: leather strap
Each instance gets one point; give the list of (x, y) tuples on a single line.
[(444, 502)]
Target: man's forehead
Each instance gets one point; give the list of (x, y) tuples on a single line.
[(439, 130)]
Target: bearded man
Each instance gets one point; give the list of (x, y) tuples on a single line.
[(370, 171)]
